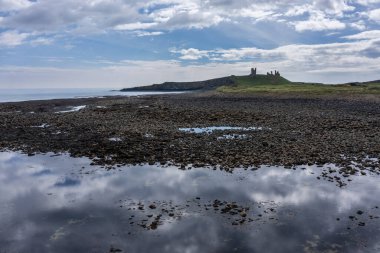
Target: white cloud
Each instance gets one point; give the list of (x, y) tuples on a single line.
[(245, 53), (375, 15), (255, 13), (177, 18), (12, 5), (367, 2), (135, 26), (191, 53), (298, 10), (373, 34), (12, 38), (318, 22), (335, 7), (360, 25), (41, 41), (145, 33), (90, 16)]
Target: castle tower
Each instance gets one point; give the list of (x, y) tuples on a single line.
[(253, 71), (276, 73)]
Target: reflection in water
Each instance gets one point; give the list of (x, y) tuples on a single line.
[(73, 109), (61, 204), (218, 128), (232, 136)]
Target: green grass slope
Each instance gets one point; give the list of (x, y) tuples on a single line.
[(278, 84)]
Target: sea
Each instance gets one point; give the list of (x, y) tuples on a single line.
[(18, 95)]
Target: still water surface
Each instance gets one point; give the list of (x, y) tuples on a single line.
[(17, 95), (61, 204)]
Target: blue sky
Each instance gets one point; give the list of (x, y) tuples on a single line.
[(123, 43)]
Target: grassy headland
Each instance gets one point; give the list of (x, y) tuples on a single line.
[(278, 84), (270, 83)]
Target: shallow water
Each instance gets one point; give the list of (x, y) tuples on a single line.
[(199, 130), (61, 204), (232, 136), (73, 109)]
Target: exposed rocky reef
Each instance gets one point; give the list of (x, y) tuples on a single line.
[(271, 130)]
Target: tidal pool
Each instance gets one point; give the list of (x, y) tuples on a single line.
[(200, 130), (74, 109), (52, 203)]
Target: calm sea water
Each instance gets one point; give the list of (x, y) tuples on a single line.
[(16, 95)]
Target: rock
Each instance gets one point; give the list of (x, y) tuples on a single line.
[(153, 225), (115, 250), (308, 133)]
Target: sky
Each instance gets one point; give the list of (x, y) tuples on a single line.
[(125, 43)]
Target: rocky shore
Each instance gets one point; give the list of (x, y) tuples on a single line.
[(273, 130)]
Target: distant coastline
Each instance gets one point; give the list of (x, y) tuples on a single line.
[(186, 86), (21, 95)]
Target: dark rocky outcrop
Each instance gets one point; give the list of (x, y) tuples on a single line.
[(187, 86)]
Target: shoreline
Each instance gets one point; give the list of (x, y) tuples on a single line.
[(145, 129), (22, 95)]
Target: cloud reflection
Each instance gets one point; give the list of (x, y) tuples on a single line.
[(61, 204)]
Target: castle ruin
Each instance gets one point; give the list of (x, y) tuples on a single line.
[(276, 73), (254, 73)]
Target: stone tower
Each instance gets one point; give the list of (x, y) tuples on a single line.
[(253, 71), (276, 73)]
